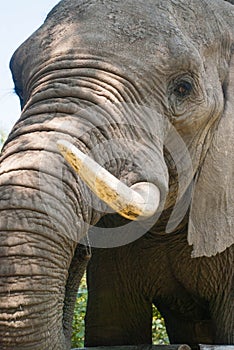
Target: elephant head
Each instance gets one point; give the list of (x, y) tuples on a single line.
[(144, 89)]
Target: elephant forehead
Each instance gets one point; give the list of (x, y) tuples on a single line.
[(130, 30), (133, 20), (109, 22)]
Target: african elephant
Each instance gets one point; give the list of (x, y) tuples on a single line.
[(144, 88)]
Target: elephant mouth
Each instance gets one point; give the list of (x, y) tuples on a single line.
[(138, 202)]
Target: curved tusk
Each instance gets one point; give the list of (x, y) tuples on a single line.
[(141, 201)]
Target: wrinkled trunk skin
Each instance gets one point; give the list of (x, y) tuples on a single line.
[(36, 230)]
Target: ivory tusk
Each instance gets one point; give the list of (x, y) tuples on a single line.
[(138, 202)]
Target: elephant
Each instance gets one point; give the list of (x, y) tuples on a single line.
[(121, 162)]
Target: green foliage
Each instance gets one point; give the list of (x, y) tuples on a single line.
[(159, 330), (79, 314)]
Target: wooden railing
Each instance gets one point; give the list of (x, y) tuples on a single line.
[(141, 347), (161, 347)]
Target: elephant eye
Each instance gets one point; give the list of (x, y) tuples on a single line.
[(183, 89)]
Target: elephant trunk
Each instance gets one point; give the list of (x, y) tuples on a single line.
[(41, 221)]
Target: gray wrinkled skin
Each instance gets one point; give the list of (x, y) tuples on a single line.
[(141, 75)]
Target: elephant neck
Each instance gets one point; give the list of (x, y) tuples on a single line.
[(161, 227)]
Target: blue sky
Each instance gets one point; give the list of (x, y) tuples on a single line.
[(18, 20)]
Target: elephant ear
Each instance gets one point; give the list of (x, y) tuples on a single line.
[(211, 222)]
